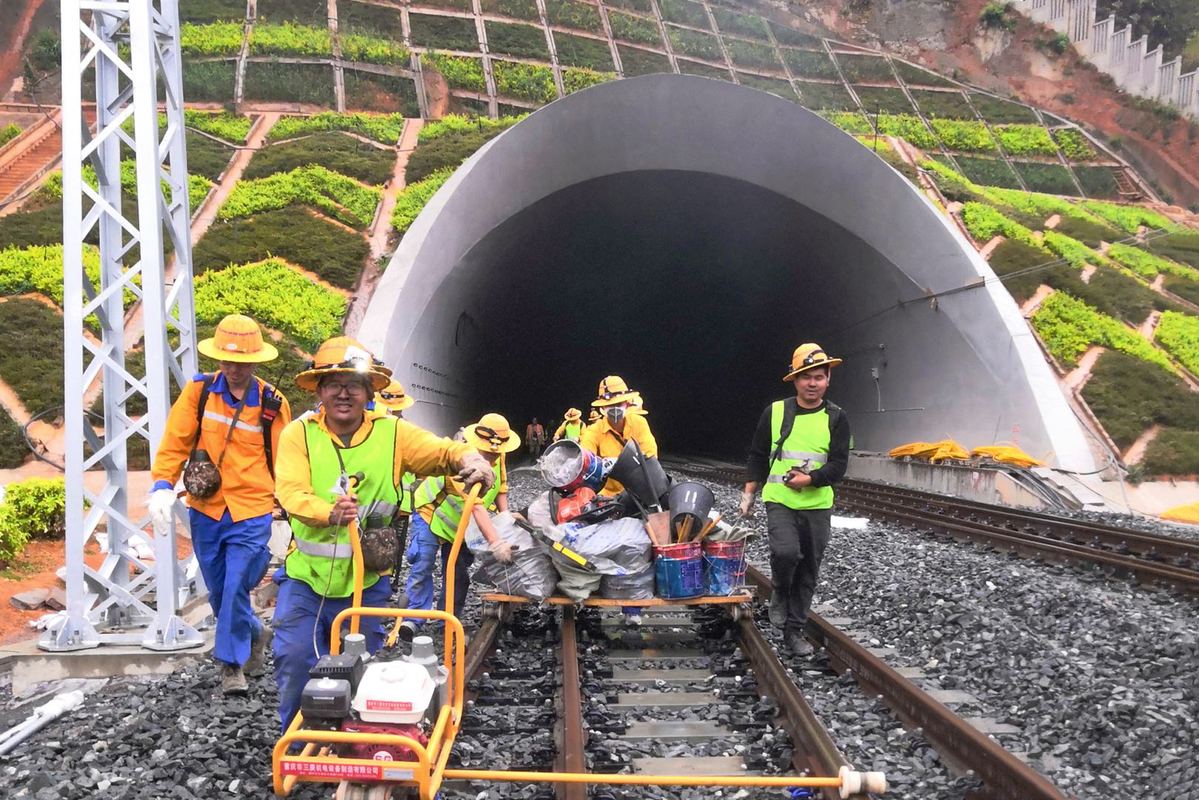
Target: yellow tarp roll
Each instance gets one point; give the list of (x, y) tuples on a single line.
[(1188, 513), (932, 451), (1007, 454)]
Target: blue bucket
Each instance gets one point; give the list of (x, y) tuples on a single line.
[(724, 567), (679, 570)]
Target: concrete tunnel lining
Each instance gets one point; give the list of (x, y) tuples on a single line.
[(968, 360)]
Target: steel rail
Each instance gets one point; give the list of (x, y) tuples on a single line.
[(1007, 776), (571, 737), (815, 752), (1148, 545), (481, 645), (1029, 543)]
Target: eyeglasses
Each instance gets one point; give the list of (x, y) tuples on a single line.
[(492, 436), (352, 388)]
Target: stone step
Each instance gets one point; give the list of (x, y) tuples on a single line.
[(633, 675), (692, 765), (663, 699), (666, 730)]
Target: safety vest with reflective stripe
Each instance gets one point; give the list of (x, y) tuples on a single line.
[(571, 431), (322, 557), (808, 441), (407, 490), (446, 507)]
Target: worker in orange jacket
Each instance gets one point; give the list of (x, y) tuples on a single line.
[(226, 424)]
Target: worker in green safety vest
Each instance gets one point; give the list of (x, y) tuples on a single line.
[(799, 450), (572, 426), (393, 400), (439, 503)]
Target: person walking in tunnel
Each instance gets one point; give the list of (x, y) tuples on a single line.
[(799, 450), (616, 426), (571, 428), (535, 438), (225, 426), (340, 464), (439, 505)]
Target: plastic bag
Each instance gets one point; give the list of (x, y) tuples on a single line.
[(530, 573)]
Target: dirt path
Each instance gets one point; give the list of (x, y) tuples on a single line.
[(990, 246), (1078, 376), (237, 167), (1033, 303), (10, 52), (380, 233), (1136, 451), (1148, 327)]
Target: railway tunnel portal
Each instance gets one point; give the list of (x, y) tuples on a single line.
[(688, 234)]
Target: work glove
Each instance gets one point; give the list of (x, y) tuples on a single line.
[(475, 469), (747, 503), (502, 550), (160, 504)]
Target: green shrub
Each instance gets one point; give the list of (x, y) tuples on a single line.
[(825, 96), (9, 132), (642, 62), (573, 14), (578, 51), (213, 39), (524, 81), (998, 112), (295, 83), (1185, 288), (1179, 335), (996, 15), (291, 10), (1050, 178), (1129, 395), (1010, 258), (702, 70), (947, 105), (794, 38), (1130, 218), (776, 86), (853, 122), (341, 197), (274, 295), (575, 79), (445, 33), (450, 149), (1075, 146), (906, 126), (684, 12), (862, 68), (356, 17), (1026, 140), (457, 5), (885, 101), (971, 137), (372, 49), (695, 44), (1069, 327), (1148, 265), (290, 39), (454, 123), (523, 41), (1180, 247), (1087, 231), (39, 269), (211, 10), (413, 198), (293, 234), (36, 506), (13, 449), (459, 72), (985, 223), (753, 55), (330, 149), (1098, 182), (31, 359), (740, 24), (370, 91), (25, 228), (520, 9), (384, 128), (634, 29), (643, 6), (807, 64), (1076, 254), (208, 80), (233, 128), (1172, 452), (991, 172)]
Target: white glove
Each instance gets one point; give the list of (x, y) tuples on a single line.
[(475, 469), (160, 505), (747, 503), (502, 550)]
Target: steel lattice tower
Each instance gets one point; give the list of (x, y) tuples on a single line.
[(131, 50)]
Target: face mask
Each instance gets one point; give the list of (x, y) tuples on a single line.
[(615, 414)]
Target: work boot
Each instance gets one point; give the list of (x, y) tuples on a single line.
[(798, 645), (408, 630), (233, 680), (778, 610), (256, 664)]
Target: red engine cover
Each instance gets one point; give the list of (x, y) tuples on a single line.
[(573, 504), (381, 752)]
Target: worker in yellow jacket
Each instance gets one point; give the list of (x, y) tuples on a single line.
[(341, 463), (226, 423), (607, 437), (572, 426)]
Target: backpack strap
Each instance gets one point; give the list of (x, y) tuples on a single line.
[(271, 403), (205, 390), (787, 423)]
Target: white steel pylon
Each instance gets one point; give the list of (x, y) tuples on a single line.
[(131, 47)]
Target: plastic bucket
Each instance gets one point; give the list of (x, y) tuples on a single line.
[(724, 567), (567, 466), (679, 570)]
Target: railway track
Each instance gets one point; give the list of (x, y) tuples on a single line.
[(1147, 557)]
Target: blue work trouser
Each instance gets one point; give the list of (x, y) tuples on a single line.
[(233, 558), (423, 546), (302, 629)]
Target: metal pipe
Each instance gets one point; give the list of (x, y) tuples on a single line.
[(42, 716), (520, 776)]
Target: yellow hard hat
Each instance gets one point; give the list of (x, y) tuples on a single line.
[(637, 405), (573, 415), (612, 390), (492, 432), (393, 397), (343, 355), (809, 356), (239, 339), (593, 416)]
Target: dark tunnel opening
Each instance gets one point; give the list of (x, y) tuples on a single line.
[(694, 287)]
